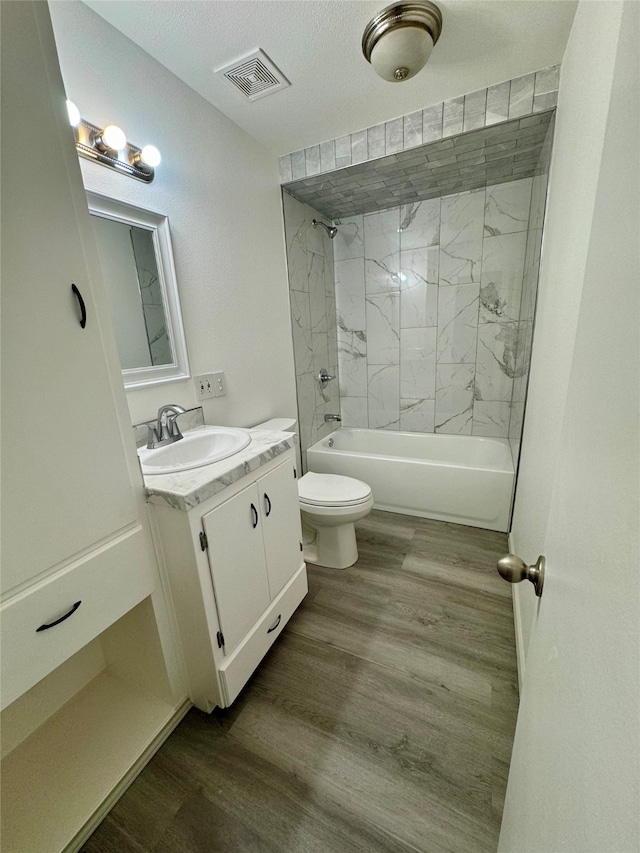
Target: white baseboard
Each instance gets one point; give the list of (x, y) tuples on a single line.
[(136, 768), (517, 623)]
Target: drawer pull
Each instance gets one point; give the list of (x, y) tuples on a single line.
[(255, 516), (278, 620), (61, 619), (268, 503), (83, 308)]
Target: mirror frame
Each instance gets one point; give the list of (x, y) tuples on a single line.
[(158, 224)]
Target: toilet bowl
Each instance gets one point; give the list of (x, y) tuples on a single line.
[(330, 505)]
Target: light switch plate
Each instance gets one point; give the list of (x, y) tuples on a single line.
[(219, 384), (210, 385)]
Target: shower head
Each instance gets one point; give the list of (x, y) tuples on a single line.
[(331, 229)]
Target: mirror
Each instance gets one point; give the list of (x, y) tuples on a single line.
[(134, 246)]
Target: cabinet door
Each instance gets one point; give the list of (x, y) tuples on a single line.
[(66, 485), (281, 526), (236, 558)]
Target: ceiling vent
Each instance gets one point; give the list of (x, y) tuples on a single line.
[(255, 75)]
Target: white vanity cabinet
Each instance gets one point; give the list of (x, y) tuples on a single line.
[(236, 574), (256, 538)]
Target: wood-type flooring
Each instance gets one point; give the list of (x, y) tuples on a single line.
[(381, 721)]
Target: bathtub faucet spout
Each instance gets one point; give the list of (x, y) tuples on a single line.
[(328, 418)]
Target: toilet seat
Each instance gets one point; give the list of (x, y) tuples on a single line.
[(332, 490)]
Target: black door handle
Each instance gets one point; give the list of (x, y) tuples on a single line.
[(61, 619), (83, 308), (255, 516), (268, 502)]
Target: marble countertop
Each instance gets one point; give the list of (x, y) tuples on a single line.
[(187, 489)]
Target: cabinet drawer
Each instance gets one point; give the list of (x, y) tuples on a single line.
[(235, 671), (107, 582)]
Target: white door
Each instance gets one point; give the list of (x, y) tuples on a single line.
[(278, 492), (574, 777), (66, 485), (236, 558)]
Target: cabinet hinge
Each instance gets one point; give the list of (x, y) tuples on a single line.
[(220, 639), (295, 474), (204, 542), (301, 548)]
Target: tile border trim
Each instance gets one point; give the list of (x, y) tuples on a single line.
[(522, 96)]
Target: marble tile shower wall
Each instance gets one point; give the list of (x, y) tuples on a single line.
[(529, 292), (428, 305), (313, 316)]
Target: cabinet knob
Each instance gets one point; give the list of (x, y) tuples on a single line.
[(254, 512), (267, 505)]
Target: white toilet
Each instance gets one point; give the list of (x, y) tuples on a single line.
[(330, 504)]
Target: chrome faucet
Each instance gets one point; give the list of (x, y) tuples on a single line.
[(328, 418), (166, 430)]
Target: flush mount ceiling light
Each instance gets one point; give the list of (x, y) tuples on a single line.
[(109, 147), (399, 40)]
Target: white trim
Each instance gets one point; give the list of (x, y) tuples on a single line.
[(517, 624), (129, 777), (158, 224)]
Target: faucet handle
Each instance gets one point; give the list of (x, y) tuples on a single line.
[(324, 378), (153, 437), (174, 429)]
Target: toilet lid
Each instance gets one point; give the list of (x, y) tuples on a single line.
[(331, 490)]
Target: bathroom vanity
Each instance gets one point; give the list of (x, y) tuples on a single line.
[(230, 547)]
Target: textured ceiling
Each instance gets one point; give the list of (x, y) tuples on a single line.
[(492, 155), (316, 44)]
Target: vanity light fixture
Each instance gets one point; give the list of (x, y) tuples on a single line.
[(109, 147), (399, 40)]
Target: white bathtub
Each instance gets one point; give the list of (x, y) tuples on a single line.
[(461, 478)]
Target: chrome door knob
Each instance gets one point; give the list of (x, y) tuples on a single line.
[(514, 570)]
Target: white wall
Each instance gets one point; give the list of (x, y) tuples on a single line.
[(581, 120), (220, 190)]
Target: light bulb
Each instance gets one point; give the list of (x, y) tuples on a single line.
[(399, 54), (114, 138), (150, 156), (73, 113)]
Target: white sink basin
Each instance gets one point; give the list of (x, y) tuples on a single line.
[(198, 447)]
